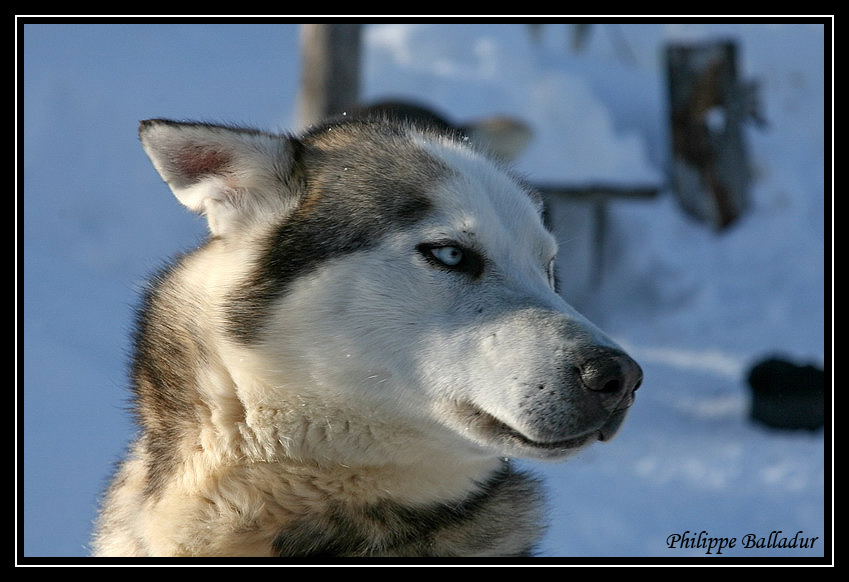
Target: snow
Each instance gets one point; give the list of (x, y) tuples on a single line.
[(696, 308)]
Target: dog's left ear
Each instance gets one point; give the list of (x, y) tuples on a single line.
[(230, 175)]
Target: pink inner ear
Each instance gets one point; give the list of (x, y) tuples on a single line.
[(197, 162)]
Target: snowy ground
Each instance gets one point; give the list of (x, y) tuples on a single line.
[(696, 308)]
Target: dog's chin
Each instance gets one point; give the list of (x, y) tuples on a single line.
[(487, 430)]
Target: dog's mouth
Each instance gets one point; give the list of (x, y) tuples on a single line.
[(495, 431)]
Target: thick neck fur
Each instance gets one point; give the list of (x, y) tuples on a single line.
[(230, 493), (216, 474)]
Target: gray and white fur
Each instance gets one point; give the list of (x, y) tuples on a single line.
[(345, 366)]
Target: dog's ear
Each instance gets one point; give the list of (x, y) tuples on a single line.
[(231, 175)]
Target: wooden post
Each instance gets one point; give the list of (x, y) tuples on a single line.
[(710, 173), (330, 70)]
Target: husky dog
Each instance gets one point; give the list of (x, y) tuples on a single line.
[(345, 366)]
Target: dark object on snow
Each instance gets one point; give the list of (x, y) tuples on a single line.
[(503, 136), (786, 395)]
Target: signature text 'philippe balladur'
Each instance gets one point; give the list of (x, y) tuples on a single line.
[(711, 544)]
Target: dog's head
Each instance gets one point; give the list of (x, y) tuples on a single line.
[(392, 278)]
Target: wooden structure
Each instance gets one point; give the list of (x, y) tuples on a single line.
[(578, 217), (708, 105), (330, 71)]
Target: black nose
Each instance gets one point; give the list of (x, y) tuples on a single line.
[(612, 374)]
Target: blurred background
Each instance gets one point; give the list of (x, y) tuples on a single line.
[(684, 172)]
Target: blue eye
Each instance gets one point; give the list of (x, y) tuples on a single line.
[(448, 256), (452, 257)]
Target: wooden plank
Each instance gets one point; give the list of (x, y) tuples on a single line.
[(595, 192)]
